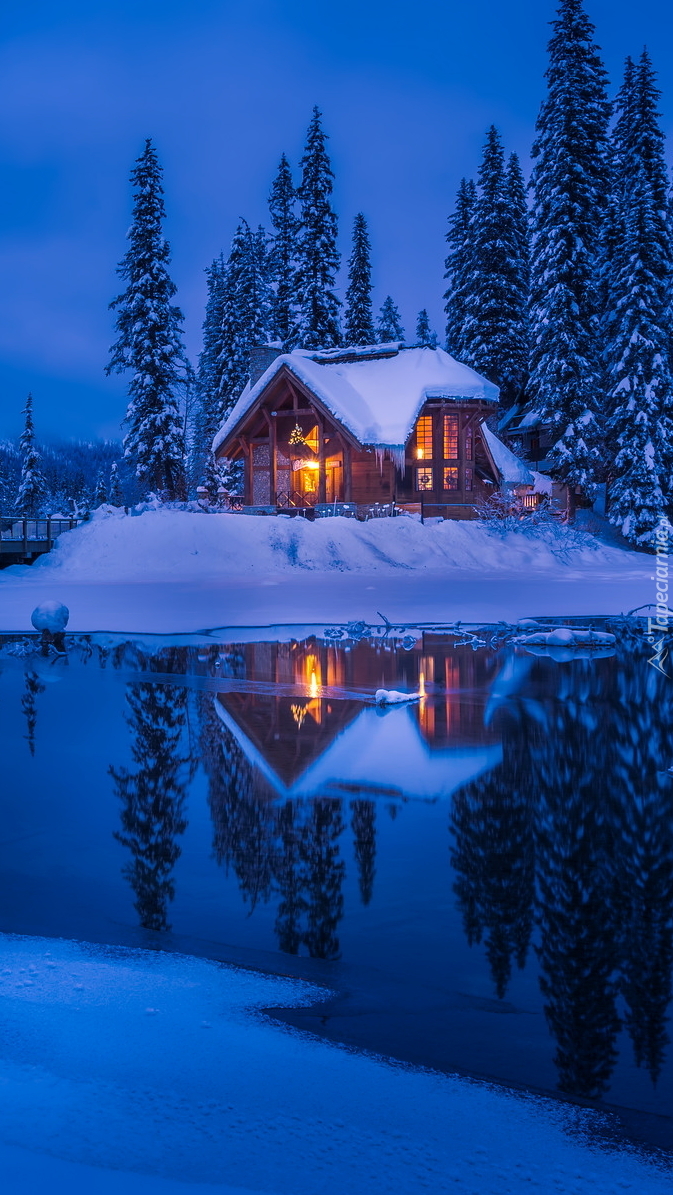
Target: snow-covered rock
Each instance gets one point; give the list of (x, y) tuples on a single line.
[(393, 697), (567, 637), (50, 616)]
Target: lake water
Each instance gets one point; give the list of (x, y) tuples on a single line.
[(484, 878)]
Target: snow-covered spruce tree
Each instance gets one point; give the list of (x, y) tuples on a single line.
[(282, 256), (569, 183), (115, 491), (100, 494), (424, 333), (149, 343), (389, 326), (495, 329), (246, 312), (33, 489), (637, 282), (459, 239), (359, 322), (317, 321), (207, 414), (640, 377)]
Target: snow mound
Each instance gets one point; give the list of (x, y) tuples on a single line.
[(180, 546)]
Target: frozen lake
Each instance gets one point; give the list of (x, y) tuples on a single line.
[(484, 878)]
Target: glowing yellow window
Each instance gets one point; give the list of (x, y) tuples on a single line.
[(424, 439), (424, 479), (451, 478), (450, 437)]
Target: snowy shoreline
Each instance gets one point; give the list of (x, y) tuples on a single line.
[(170, 572), (108, 1078)]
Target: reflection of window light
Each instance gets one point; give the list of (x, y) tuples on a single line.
[(424, 479), (298, 713), (421, 684), (313, 685)]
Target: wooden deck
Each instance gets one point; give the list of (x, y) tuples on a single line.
[(23, 539)]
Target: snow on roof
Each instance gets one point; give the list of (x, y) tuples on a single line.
[(510, 467), (378, 397)]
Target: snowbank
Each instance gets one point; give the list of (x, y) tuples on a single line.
[(129, 1071), (173, 545), (170, 572)]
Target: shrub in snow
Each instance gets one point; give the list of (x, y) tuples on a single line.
[(503, 513)]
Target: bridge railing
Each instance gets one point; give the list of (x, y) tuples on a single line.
[(17, 528)]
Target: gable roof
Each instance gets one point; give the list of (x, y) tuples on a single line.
[(376, 392)]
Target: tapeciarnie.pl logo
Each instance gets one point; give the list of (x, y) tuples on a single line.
[(657, 628)]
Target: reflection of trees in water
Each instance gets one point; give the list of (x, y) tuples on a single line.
[(33, 688), (494, 862), (643, 747), (291, 851), (586, 790), (363, 825), (153, 794), (576, 884)]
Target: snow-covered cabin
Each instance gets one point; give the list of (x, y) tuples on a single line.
[(367, 425)]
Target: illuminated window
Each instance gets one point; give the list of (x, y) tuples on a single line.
[(424, 441), (468, 444), (312, 438), (450, 437), (530, 500), (468, 479), (451, 478), (424, 479)]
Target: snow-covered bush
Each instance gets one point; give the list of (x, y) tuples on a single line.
[(504, 513)]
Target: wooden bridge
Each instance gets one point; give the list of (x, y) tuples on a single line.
[(23, 539)]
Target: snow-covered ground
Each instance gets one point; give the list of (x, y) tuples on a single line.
[(133, 1073), (171, 571)]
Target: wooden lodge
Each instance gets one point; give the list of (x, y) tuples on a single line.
[(337, 430)]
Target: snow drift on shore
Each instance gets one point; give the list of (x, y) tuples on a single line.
[(128, 1071), (174, 545)]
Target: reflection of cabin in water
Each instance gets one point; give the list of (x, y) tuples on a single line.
[(368, 425), (314, 732)]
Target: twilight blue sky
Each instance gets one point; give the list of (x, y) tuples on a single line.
[(223, 87)]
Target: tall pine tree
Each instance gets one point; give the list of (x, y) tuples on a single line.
[(208, 415), (149, 343), (459, 239), (424, 333), (317, 322), (33, 488), (283, 251), (246, 312), (569, 184), (359, 326), (495, 329), (389, 327), (637, 317)]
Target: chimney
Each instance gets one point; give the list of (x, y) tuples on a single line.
[(261, 357)]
